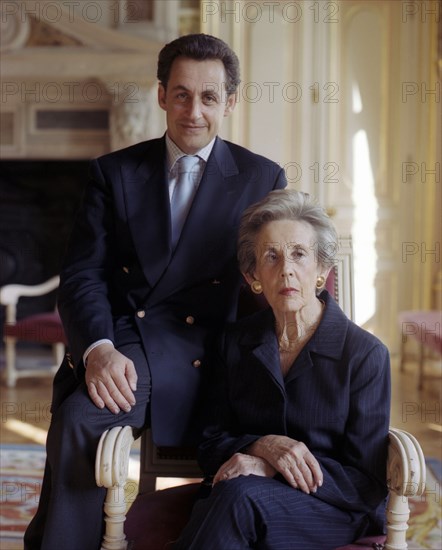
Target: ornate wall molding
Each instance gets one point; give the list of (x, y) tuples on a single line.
[(135, 118), (68, 64), (14, 29)]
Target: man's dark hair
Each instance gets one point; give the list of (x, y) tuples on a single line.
[(200, 47)]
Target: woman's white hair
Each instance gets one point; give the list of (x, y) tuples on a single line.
[(286, 204)]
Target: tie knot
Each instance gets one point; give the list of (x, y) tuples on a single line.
[(187, 163)]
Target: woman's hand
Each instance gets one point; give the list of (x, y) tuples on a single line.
[(290, 458), (245, 465)]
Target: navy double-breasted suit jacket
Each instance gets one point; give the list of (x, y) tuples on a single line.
[(335, 399), (120, 267)]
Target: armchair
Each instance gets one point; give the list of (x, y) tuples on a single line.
[(43, 328), (169, 509)]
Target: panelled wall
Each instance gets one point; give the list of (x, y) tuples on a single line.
[(346, 96)]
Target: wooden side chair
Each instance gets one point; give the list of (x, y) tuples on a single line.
[(43, 328), (156, 517)]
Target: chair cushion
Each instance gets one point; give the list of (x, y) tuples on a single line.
[(156, 519), (42, 327)]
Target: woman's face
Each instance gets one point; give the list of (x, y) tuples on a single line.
[(286, 264)]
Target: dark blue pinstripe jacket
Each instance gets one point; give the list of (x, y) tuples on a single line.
[(335, 398)]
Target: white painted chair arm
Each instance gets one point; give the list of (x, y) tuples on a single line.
[(10, 294), (111, 471), (405, 478)]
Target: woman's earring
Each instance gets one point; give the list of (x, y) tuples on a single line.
[(256, 287), (320, 281)]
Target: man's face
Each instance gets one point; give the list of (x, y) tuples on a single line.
[(195, 102)]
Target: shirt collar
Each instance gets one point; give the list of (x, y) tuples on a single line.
[(174, 152)]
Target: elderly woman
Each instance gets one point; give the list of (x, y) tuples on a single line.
[(298, 451)]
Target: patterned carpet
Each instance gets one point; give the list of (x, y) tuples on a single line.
[(21, 469), (21, 473)]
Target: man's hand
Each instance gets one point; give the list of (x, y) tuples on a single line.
[(241, 464), (290, 458), (111, 379)]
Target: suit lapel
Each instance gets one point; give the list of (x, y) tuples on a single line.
[(327, 341), (148, 211), (201, 235), (210, 201), (262, 345)]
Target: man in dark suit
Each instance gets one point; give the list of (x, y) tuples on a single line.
[(147, 279)]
